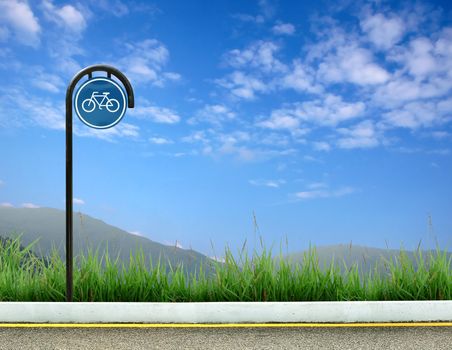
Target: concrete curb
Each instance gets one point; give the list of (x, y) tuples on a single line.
[(227, 312)]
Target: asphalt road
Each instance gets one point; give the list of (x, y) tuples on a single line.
[(432, 338)]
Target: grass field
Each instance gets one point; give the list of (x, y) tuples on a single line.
[(255, 277)]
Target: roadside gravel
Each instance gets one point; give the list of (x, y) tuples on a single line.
[(437, 338)]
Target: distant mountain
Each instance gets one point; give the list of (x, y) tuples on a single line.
[(365, 258), (49, 225)]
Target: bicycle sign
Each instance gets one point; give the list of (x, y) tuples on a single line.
[(100, 103), (89, 104)]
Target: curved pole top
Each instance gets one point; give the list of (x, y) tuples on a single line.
[(103, 68)]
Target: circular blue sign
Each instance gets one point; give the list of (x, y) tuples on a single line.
[(100, 103)]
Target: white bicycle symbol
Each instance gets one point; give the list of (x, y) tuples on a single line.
[(89, 104)]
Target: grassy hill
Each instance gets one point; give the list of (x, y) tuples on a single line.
[(261, 278), (365, 258), (49, 226)]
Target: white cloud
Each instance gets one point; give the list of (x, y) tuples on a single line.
[(6, 205), (443, 46), (397, 91), (2, 183), (49, 116), (402, 83), (79, 201), (420, 60), (259, 55), (213, 114), (184, 154), (155, 114), (346, 74), (117, 7), (241, 145), (440, 152), (42, 112), (254, 65), (267, 8), (383, 31), (312, 159), (425, 71), (136, 233), (317, 185), (281, 119), (4, 34), (440, 134), (144, 62), (247, 153), (321, 146), (354, 65), (324, 193), (243, 86), (48, 82), (362, 135), (419, 114), (414, 150), (172, 76), (127, 130), (272, 139), (267, 183), (199, 136), (64, 42), (160, 140), (218, 258), (312, 194), (329, 111), (18, 16), (343, 191), (400, 91), (121, 130), (258, 70), (300, 77), (425, 57), (66, 16), (248, 18), (339, 58), (66, 63), (284, 29), (444, 106), (233, 144), (242, 153), (29, 205)]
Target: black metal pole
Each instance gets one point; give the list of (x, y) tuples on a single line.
[(69, 199), (69, 195)]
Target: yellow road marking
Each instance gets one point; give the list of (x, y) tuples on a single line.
[(222, 325)]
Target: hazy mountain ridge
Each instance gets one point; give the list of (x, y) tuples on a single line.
[(48, 225), (366, 258)]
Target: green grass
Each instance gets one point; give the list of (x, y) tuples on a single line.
[(259, 277)]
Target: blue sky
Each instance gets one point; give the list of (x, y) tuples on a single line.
[(330, 121)]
